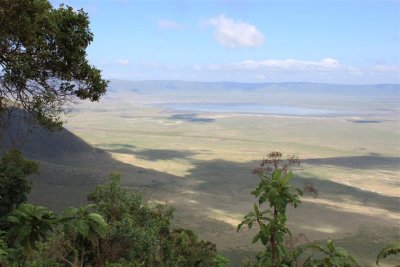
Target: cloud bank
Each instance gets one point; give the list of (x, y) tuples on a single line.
[(326, 64), (325, 70), (233, 34)]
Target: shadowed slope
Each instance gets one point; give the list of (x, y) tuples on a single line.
[(374, 161), (69, 167)]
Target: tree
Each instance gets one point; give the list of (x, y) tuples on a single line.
[(82, 230), (135, 230), (74, 240), (14, 186), (43, 63), (274, 189)]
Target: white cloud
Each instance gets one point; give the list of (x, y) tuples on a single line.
[(260, 66), (231, 33), (325, 64), (169, 25), (123, 62), (328, 70)]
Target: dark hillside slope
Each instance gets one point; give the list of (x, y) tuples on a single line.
[(70, 168), (56, 146)]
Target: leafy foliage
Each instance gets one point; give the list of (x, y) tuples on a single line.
[(220, 261), (3, 248), (390, 249), (140, 235), (81, 222), (131, 234), (334, 256), (134, 229), (30, 224), (188, 251), (274, 188), (43, 59), (113, 202), (79, 236), (14, 186)]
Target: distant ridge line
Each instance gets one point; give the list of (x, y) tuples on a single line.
[(255, 83)]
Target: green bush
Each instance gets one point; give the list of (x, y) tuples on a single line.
[(275, 192)]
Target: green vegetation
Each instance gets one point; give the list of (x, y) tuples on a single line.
[(116, 229), (28, 225), (43, 60), (390, 249), (14, 187), (3, 249), (81, 234), (275, 190), (141, 235), (331, 256)]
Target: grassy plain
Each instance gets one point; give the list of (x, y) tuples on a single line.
[(201, 164)]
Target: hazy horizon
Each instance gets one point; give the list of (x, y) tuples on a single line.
[(239, 82)]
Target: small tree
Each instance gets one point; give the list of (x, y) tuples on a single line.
[(274, 189), (82, 229), (14, 187)]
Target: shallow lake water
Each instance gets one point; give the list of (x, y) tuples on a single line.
[(249, 109)]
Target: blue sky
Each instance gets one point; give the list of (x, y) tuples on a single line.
[(339, 41)]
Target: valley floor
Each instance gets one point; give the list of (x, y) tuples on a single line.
[(201, 164)]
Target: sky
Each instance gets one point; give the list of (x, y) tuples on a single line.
[(351, 42)]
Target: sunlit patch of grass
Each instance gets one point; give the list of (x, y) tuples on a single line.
[(326, 229), (179, 168), (355, 208), (224, 216)]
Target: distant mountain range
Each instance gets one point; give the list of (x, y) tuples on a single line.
[(153, 86)]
